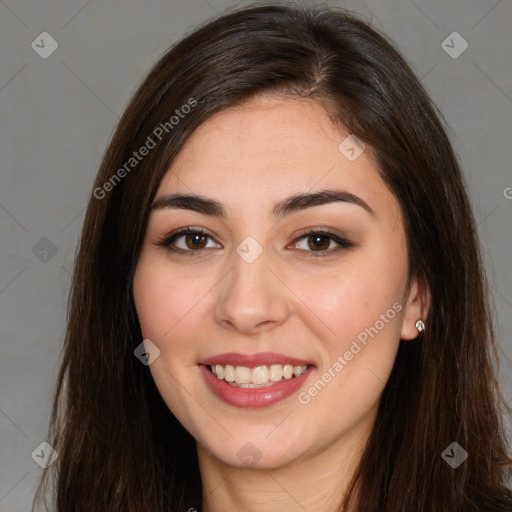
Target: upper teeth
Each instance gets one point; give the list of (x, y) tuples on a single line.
[(258, 376)]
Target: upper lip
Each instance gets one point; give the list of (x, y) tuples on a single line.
[(253, 360)]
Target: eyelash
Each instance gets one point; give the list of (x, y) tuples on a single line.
[(168, 240)]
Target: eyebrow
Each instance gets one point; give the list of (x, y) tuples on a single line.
[(292, 204)]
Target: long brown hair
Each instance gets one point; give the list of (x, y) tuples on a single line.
[(120, 447)]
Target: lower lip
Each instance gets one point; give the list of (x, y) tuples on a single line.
[(253, 397)]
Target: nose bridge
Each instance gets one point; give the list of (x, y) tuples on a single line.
[(250, 296), (250, 263)]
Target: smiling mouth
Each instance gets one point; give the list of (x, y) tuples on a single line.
[(257, 377)]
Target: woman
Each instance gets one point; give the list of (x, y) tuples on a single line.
[(278, 301)]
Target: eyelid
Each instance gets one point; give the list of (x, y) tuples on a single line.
[(168, 239), (342, 242), (319, 230)]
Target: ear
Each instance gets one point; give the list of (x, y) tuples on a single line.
[(417, 306)]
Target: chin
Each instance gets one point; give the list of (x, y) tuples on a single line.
[(256, 451)]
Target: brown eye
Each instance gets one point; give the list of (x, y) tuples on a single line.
[(188, 241), (195, 241), (319, 242)]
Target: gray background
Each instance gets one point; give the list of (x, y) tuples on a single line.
[(58, 114)]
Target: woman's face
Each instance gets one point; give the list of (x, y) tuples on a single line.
[(296, 300)]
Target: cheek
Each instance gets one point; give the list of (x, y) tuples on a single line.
[(164, 301), (362, 342), (166, 306), (363, 311), (358, 296)]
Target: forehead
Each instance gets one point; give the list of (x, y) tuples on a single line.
[(269, 148)]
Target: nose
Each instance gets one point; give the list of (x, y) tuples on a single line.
[(252, 298)]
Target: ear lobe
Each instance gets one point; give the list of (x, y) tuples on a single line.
[(416, 308)]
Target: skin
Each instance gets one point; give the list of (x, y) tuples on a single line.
[(288, 301)]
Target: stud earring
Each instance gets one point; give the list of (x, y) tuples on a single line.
[(420, 325)]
